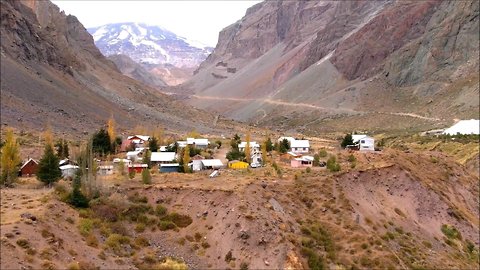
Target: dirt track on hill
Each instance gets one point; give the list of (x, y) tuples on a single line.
[(311, 106)]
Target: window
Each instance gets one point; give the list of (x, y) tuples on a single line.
[(304, 149), (362, 141)]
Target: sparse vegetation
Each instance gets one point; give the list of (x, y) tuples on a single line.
[(332, 164), (451, 232)]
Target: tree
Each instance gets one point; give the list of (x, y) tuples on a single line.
[(111, 129), (146, 177), (316, 160), (332, 164), (234, 153), (101, 142), (269, 145), (218, 143), (186, 159), (248, 155), (172, 147), (284, 146), (62, 149), (48, 136), (146, 158), (264, 153), (48, 170), (347, 140), (153, 144), (76, 197), (10, 159), (121, 167)]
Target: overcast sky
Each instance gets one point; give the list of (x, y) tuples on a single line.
[(195, 20)]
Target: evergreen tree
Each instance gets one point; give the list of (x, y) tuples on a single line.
[(153, 144), (48, 170), (10, 159), (269, 145), (316, 160), (284, 146), (76, 197), (347, 140), (101, 142), (146, 177)]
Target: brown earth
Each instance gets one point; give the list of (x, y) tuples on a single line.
[(386, 212)]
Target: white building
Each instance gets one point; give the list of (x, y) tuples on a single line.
[(68, 170), (300, 146), (254, 146), (366, 144), (198, 143), (163, 157), (357, 137), (105, 170), (464, 127), (135, 155)]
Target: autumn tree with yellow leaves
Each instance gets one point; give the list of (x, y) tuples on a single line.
[(10, 159)]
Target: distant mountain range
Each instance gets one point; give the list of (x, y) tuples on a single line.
[(153, 47)]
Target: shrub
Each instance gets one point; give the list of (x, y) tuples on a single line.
[(85, 226), (136, 198), (115, 241), (164, 225), (197, 236), (171, 264), (451, 232), (23, 243), (229, 257), (136, 212), (205, 245), (146, 177), (351, 158), (141, 241), (323, 153), (332, 164), (180, 220), (308, 170), (244, 266), (160, 210), (140, 227)]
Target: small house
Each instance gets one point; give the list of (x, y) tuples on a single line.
[(304, 161), (29, 168), (138, 168), (300, 146), (254, 146), (105, 170), (235, 164), (69, 170), (116, 161), (163, 157), (168, 168), (135, 156), (212, 164), (367, 144), (198, 143)]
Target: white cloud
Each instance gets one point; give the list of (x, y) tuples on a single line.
[(195, 20)]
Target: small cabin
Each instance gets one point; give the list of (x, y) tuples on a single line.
[(237, 165), (29, 168), (138, 168), (366, 144), (69, 170), (163, 157), (105, 170), (169, 168), (304, 161)]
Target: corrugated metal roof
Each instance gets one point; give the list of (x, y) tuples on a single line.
[(212, 162), (162, 156), (300, 143)]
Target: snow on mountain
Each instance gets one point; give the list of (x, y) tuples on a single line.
[(149, 44)]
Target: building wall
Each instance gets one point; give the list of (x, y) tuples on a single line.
[(30, 169)]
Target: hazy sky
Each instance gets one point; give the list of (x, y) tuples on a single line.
[(195, 20)]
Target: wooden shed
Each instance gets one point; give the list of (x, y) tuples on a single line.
[(29, 168)]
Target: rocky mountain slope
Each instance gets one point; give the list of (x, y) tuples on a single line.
[(135, 71), (52, 72), (301, 64), (151, 46)]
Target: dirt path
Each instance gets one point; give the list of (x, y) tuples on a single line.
[(311, 106)]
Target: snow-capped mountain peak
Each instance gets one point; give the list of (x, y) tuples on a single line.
[(149, 44)]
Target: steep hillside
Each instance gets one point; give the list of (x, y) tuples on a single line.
[(395, 210), (153, 47), (301, 64), (52, 72), (135, 71)]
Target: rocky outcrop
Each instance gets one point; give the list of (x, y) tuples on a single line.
[(135, 71)]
